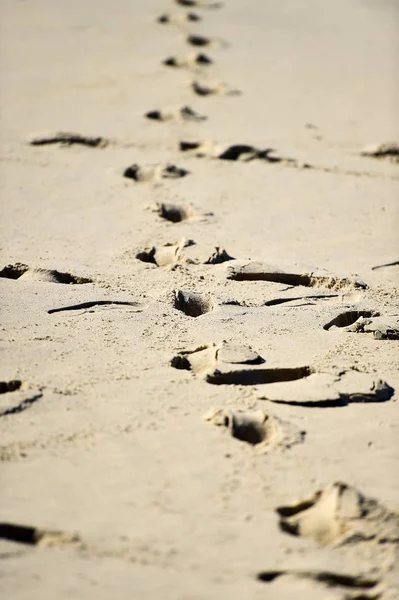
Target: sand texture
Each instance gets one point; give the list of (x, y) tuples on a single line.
[(199, 275)]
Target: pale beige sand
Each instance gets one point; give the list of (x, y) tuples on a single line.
[(104, 449)]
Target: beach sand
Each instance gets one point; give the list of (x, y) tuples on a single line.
[(176, 424)]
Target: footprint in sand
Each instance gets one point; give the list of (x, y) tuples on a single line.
[(340, 514), (163, 256), (154, 172), (68, 139), (205, 89), (299, 386), (258, 271), (172, 254), (193, 304), (385, 151), (236, 152), (23, 272), (365, 321), (199, 3), (355, 587), (205, 358), (13, 399), (185, 113), (175, 213), (33, 536), (187, 61), (256, 428), (180, 18)]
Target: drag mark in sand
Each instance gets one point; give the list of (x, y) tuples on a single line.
[(68, 139), (392, 264), (93, 304), (23, 405)]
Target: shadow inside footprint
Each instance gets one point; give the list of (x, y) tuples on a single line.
[(189, 60), (153, 172), (185, 113), (198, 40), (10, 386), (24, 534), (192, 304), (175, 213), (23, 272), (348, 318), (257, 376)]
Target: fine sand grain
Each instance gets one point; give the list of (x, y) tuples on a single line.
[(200, 308)]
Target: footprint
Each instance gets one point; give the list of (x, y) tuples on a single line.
[(23, 272), (193, 304), (203, 89), (320, 390), (357, 587), (33, 536), (68, 139), (175, 213), (385, 151), (10, 386), (349, 317), (163, 256), (204, 358), (188, 16), (86, 306), (219, 256), (256, 428), (236, 152), (188, 60), (16, 402), (257, 271), (199, 3), (154, 172), (185, 113), (198, 40), (340, 514)]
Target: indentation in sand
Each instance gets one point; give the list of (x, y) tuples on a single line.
[(86, 306), (193, 304), (184, 113), (188, 60), (24, 272), (257, 271), (348, 318), (383, 151), (357, 586), (187, 16), (68, 139), (175, 212), (154, 172), (256, 428), (205, 89), (26, 534), (339, 514), (205, 358), (10, 386)]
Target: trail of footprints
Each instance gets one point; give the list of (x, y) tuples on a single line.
[(338, 514)]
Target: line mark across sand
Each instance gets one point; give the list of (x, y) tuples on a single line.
[(33, 536), (68, 139), (93, 304)]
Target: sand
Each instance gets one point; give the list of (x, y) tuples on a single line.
[(199, 370)]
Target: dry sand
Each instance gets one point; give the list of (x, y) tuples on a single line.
[(157, 436)]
